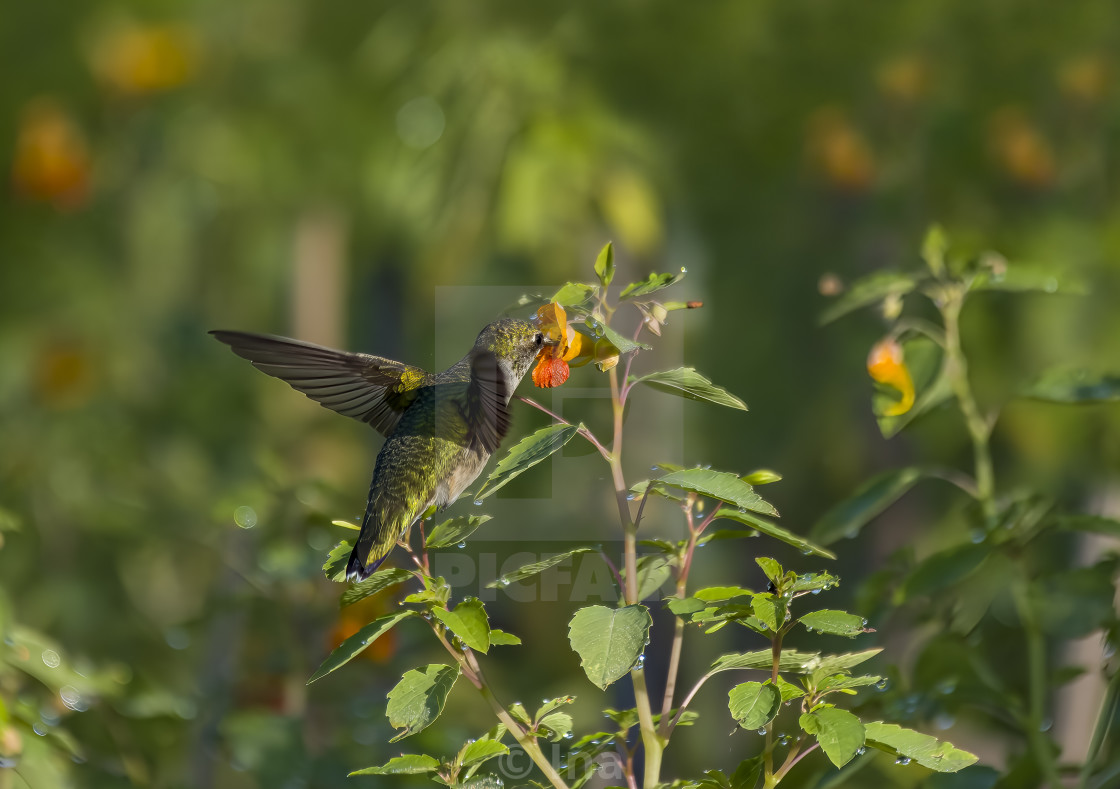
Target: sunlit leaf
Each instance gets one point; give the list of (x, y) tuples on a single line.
[(651, 284), (775, 531), (480, 751), (405, 764), (604, 264), (418, 699), (609, 641), (500, 638), (357, 643), (791, 660), (754, 704), (837, 623), (469, 622), (335, 565), (528, 452), (849, 516), (529, 570), (686, 382), (933, 250), (839, 732), (927, 751), (454, 531), (380, 580), (719, 485)]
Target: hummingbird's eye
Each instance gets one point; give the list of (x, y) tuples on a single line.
[(539, 338)]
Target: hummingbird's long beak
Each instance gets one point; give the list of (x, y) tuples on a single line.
[(551, 343)]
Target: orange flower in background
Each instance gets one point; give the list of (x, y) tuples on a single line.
[(839, 151), (552, 362), (886, 365), (1021, 149), (52, 161), (136, 60)]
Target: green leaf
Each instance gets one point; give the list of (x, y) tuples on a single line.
[(1021, 278), (869, 290), (686, 382), (945, 569), (335, 565), (597, 330), (529, 570), (927, 751), (791, 660), (480, 751), (712, 593), (418, 699), (604, 264), (933, 250), (651, 284), (468, 621), (574, 294), (754, 704), (762, 476), (528, 452), (454, 531), (1098, 524), (774, 531), (609, 641), (557, 724), (748, 773), (382, 579), (553, 704), (405, 764), (769, 610), (355, 644), (347, 525), (500, 638), (830, 664), (839, 732), (719, 485), (771, 568), (849, 516), (789, 691), (1074, 386), (653, 572), (843, 682), (837, 623)]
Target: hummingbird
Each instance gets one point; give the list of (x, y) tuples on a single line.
[(439, 428)]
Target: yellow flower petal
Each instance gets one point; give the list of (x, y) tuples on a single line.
[(886, 365)]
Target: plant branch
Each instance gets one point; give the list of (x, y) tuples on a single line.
[(979, 428), (793, 758), (650, 740), (1104, 719), (473, 672), (1036, 668), (678, 632), (581, 430)]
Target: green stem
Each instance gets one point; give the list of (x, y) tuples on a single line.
[(652, 742), (1036, 669), (473, 672), (678, 632), (956, 368), (1104, 719)]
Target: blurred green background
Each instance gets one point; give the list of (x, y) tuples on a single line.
[(323, 170)]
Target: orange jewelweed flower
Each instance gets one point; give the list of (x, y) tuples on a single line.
[(52, 161), (552, 362), (886, 365)]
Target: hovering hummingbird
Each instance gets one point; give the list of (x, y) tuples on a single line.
[(440, 429)]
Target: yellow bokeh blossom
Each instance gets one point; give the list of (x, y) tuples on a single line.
[(887, 365)]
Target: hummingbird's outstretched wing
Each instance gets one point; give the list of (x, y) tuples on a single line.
[(369, 388), (487, 402)]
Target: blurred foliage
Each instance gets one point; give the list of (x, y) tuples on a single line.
[(174, 165)]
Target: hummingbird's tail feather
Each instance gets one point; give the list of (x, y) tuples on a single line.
[(364, 559)]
